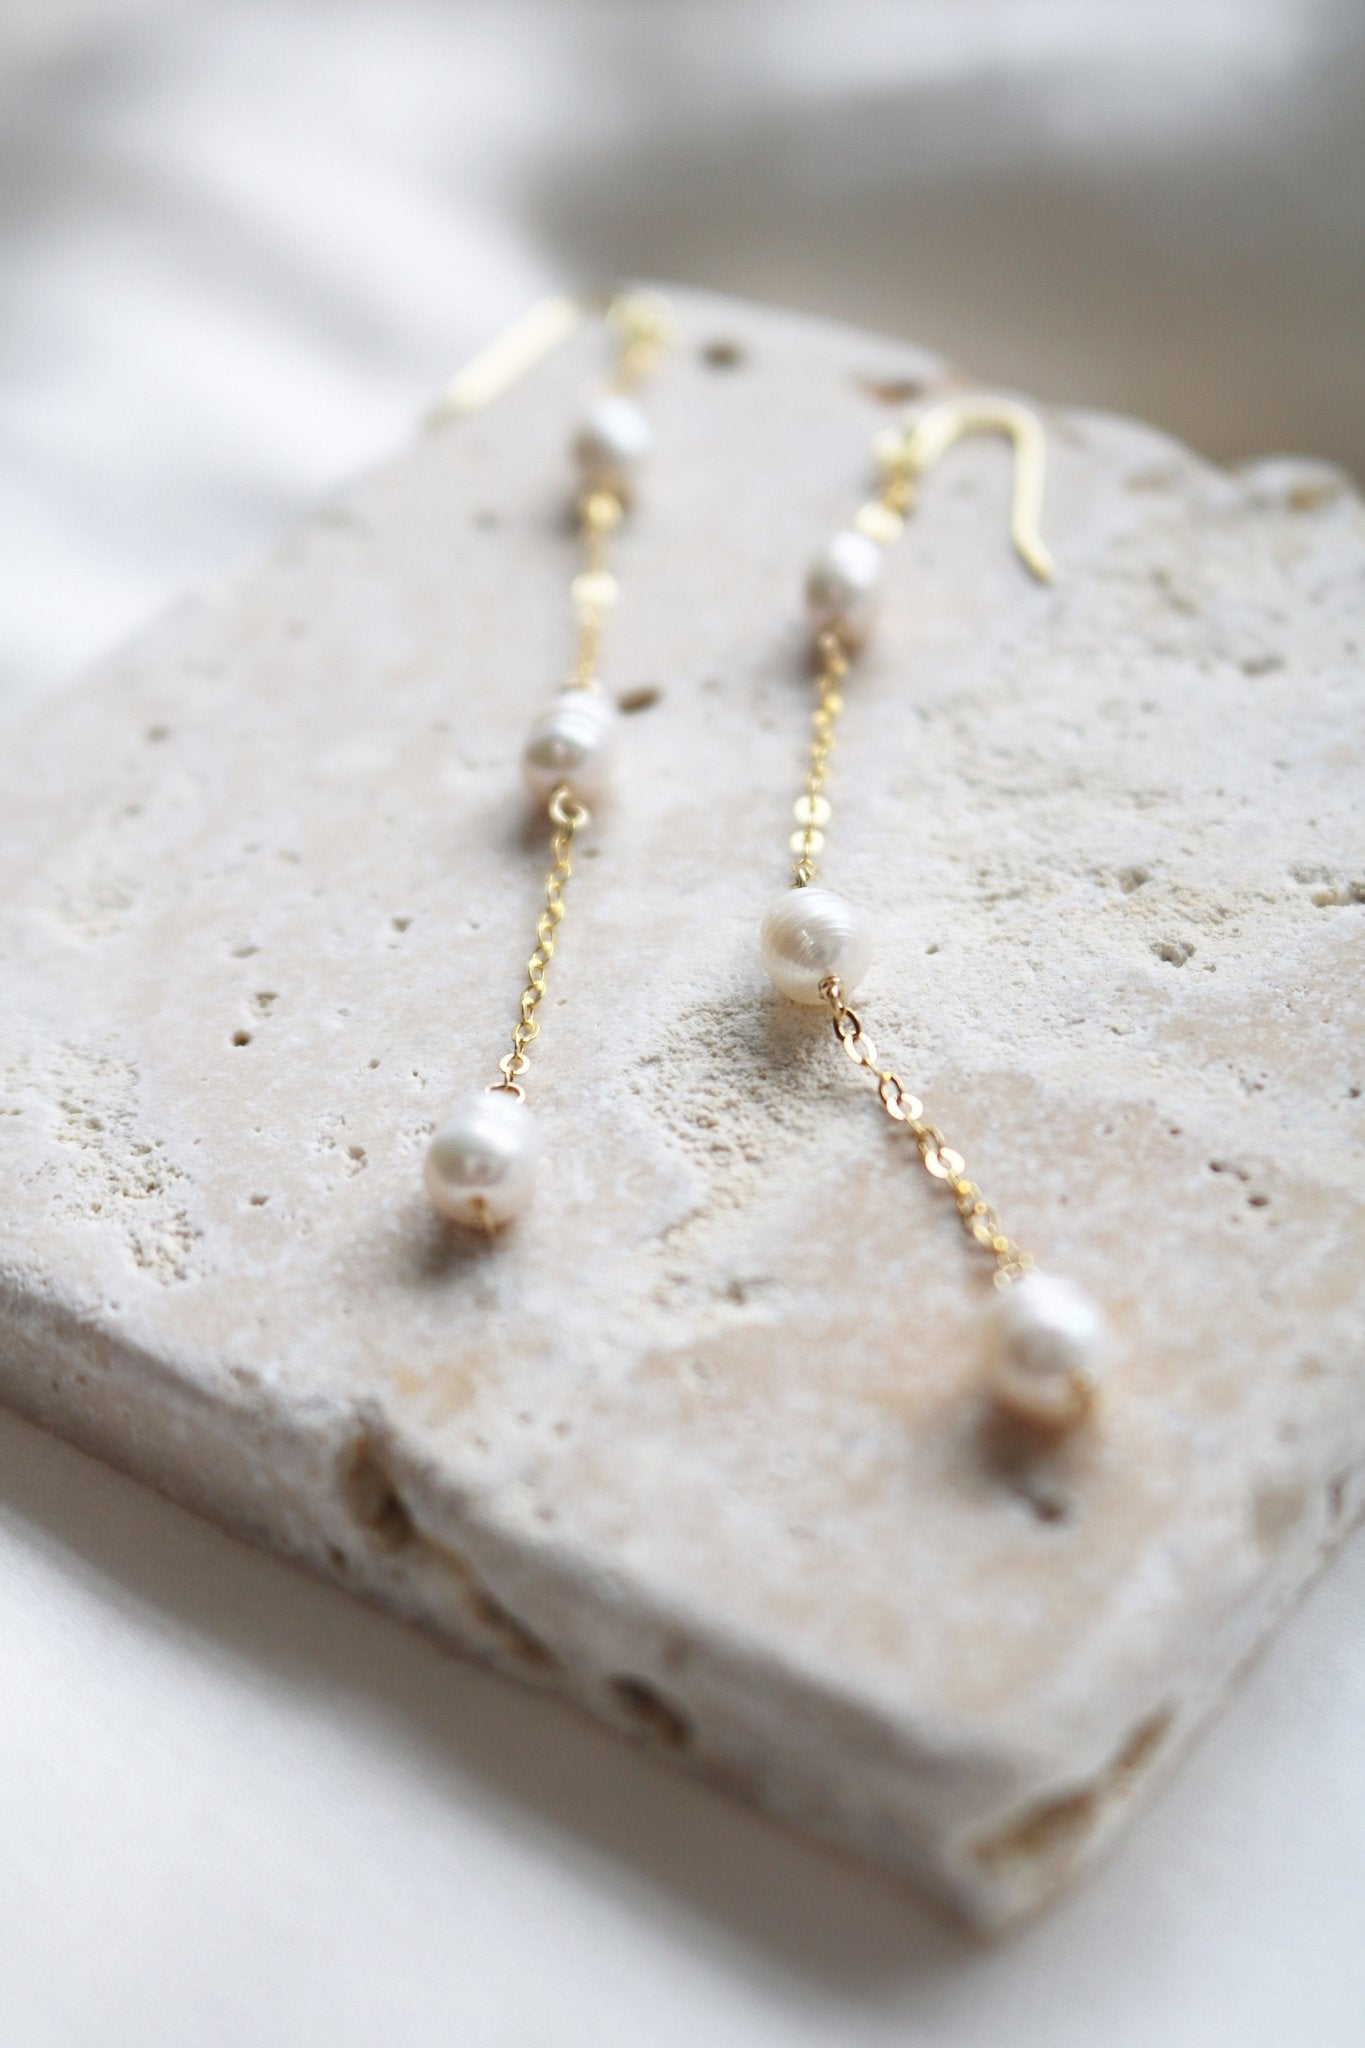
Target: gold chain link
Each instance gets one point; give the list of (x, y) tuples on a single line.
[(979, 1217)]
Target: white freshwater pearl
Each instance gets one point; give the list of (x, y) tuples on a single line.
[(1047, 1349), (570, 743), (809, 934), (843, 584), (612, 442), (481, 1162)]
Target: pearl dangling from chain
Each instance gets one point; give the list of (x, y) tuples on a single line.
[(481, 1162), (1047, 1348)]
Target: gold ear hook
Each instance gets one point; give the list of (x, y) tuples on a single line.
[(908, 453), (511, 354)]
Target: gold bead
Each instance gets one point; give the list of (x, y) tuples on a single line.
[(601, 510), (889, 448), (878, 522), (643, 319), (595, 590), (811, 810)]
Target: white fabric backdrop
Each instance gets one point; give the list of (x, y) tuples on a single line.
[(239, 245)]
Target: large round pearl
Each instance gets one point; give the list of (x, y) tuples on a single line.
[(481, 1161), (570, 746), (1047, 1348), (842, 584), (810, 934), (612, 442)]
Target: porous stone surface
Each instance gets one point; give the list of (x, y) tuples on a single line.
[(701, 1442)]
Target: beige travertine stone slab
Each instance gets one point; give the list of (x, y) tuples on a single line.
[(701, 1443)]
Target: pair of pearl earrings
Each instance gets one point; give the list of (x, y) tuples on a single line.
[(1046, 1339)]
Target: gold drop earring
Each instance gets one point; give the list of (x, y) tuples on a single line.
[(1047, 1340), (481, 1162)]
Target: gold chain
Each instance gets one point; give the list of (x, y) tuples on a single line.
[(568, 817), (812, 806), (881, 519), (594, 588), (979, 1217), (641, 325)]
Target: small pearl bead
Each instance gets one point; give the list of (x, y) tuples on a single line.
[(1048, 1342), (612, 442), (570, 743), (809, 934), (481, 1161), (843, 584)]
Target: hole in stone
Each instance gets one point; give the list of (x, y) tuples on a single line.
[(241, 1038), (643, 699), (258, 1201), (893, 390), (511, 1632), (722, 355), (651, 1713), (400, 924), (1338, 1493), (1052, 1835), (1258, 1201), (1174, 951), (373, 1499), (1276, 1513)]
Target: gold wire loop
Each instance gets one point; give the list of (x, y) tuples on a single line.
[(565, 810)]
